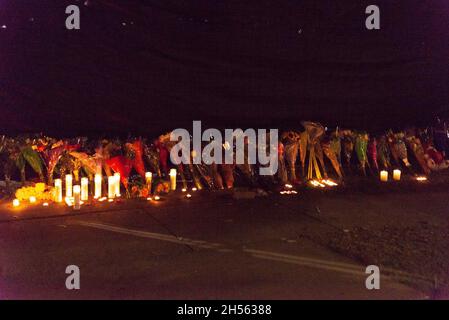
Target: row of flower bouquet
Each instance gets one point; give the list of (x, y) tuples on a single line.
[(311, 153)]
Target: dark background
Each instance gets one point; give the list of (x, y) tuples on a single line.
[(145, 67)]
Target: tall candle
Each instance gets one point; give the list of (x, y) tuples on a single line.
[(68, 185), (148, 180), (173, 179), (84, 189), (97, 181), (117, 184), (76, 197), (58, 190), (384, 176), (396, 175), (111, 187)]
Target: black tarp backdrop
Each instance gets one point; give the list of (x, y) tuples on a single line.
[(145, 67)]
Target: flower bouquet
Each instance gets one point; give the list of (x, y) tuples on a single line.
[(152, 157), (227, 172), (415, 145), (398, 148), (348, 146), (29, 156), (383, 152), (88, 163), (134, 151), (330, 154), (122, 165), (314, 133), (51, 157), (335, 144), (361, 147), (282, 170), (372, 153), (291, 141)]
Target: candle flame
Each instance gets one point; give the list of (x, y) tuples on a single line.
[(329, 182), (317, 183), (15, 202)]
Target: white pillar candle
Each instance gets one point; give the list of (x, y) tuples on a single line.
[(97, 181), (117, 184), (111, 187), (384, 176), (68, 185), (58, 190), (173, 179), (76, 197), (84, 189), (148, 180), (396, 175)]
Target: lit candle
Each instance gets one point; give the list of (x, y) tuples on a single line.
[(188, 196), (15, 203), (76, 197), (84, 189), (148, 180), (32, 199), (58, 190), (68, 185), (111, 187), (97, 181), (384, 176), (117, 184), (69, 201), (157, 198), (396, 175), (173, 179)]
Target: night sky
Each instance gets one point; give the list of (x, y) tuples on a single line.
[(145, 67)]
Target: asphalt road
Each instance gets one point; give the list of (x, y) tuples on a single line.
[(210, 247)]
